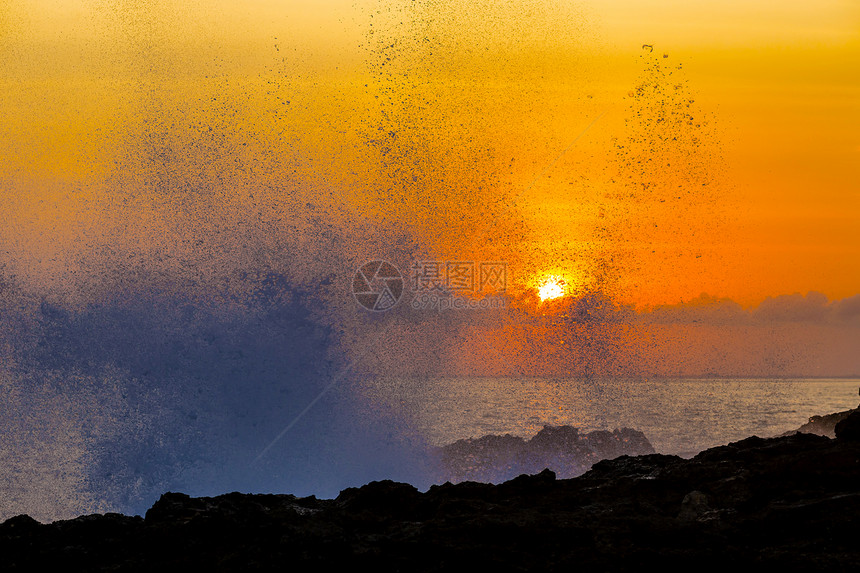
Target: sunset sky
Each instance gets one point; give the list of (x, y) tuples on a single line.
[(778, 77), (189, 189), (154, 127)]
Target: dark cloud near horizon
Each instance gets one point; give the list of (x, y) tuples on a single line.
[(814, 307)]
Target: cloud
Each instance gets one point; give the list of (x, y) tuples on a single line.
[(705, 309), (812, 308), (847, 308), (794, 308)]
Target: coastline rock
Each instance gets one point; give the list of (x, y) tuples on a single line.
[(788, 503), (849, 427), (694, 506), (823, 425), (563, 449)]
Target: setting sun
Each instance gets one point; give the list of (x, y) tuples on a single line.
[(551, 287)]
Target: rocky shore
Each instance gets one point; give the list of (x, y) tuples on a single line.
[(563, 449), (789, 503), (823, 425)]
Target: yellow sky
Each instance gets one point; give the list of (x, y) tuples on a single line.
[(510, 89)]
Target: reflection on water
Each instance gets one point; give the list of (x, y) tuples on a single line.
[(679, 416)]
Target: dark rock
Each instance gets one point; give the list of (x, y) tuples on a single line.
[(562, 449), (646, 467), (19, 525), (382, 497), (789, 504), (694, 506), (180, 508), (173, 507), (823, 425), (530, 483), (849, 428)]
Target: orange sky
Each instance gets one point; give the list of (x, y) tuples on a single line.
[(778, 76), (487, 102)]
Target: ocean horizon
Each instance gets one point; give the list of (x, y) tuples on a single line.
[(679, 416)]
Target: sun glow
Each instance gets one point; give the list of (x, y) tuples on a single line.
[(551, 287)]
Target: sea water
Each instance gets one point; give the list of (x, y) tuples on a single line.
[(678, 416)]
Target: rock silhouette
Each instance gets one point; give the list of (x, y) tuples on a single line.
[(789, 503), (849, 427), (562, 449), (823, 425)]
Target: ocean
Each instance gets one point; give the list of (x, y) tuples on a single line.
[(678, 416)]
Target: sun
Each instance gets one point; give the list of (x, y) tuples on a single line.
[(551, 287)]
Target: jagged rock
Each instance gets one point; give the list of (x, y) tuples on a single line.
[(18, 526), (383, 497), (849, 427), (823, 425), (563, 449), (789, 504), (180, 508), (633, 467), (693, 506)]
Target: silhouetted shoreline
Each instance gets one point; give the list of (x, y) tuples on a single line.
[(790, 502)]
